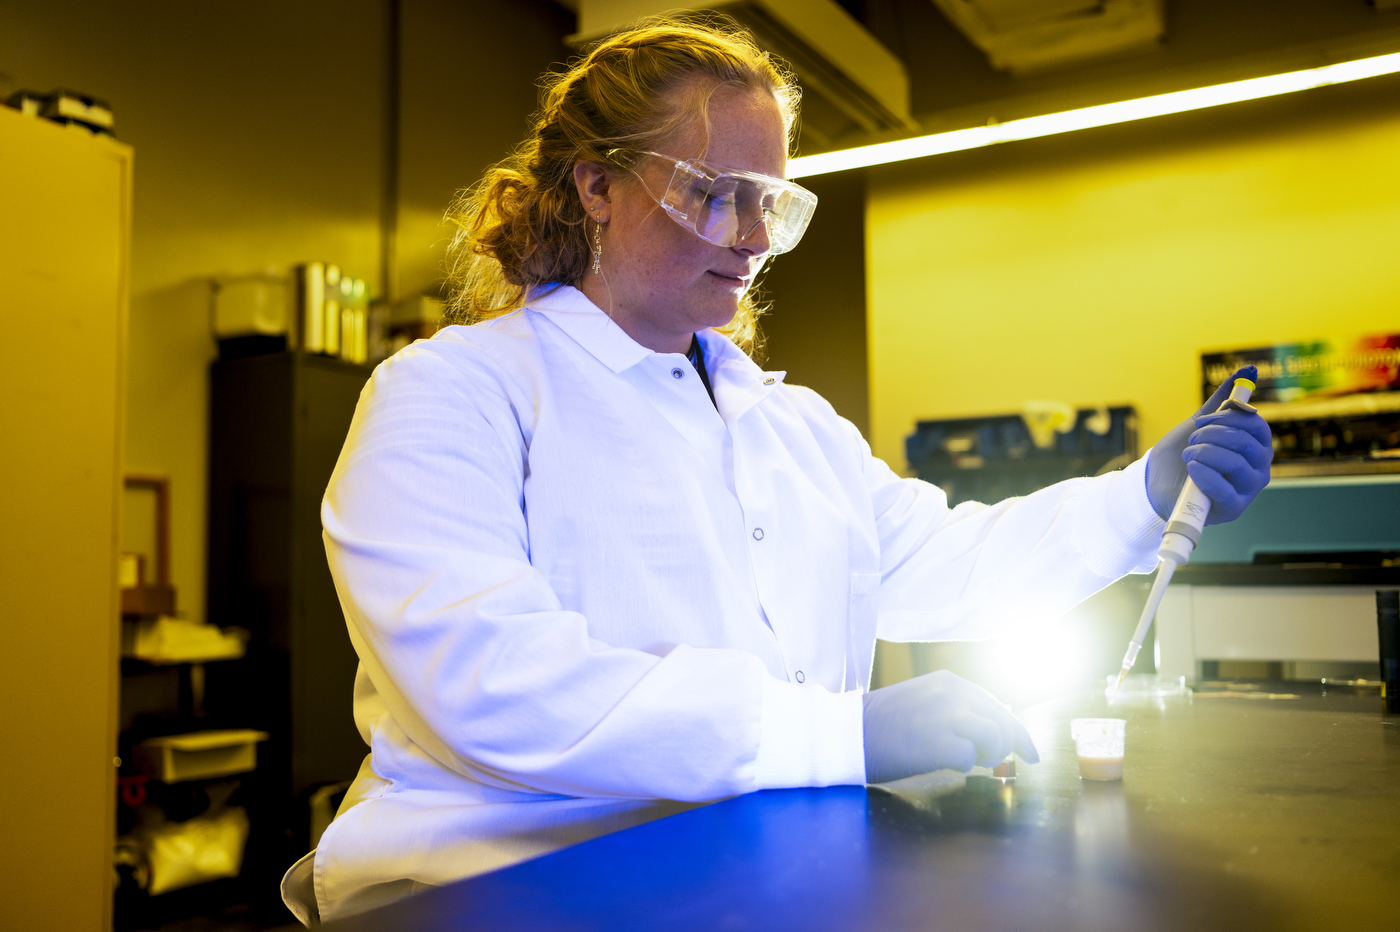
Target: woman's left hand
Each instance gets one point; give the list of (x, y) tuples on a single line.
[(1227, 454)]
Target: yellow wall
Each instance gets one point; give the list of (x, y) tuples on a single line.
[(261, 134), (815, 326), (256, 148), (1095, 266), (468, 73)]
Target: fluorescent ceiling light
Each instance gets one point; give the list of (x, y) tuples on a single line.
[(1102, 115)]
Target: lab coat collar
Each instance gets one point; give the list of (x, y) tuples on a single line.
[(738, 382), (583, 320)]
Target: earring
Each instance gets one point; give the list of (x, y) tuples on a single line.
[(597, 248)]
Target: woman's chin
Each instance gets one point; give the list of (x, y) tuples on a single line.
[(720, 317)]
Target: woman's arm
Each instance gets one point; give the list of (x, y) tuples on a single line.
[(474, 656), (971, 571)]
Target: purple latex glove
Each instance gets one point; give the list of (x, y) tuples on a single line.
[(1227, 454)]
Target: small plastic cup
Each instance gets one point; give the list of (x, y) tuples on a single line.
[(1099, 744)]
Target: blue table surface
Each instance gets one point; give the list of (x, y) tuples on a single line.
[(1233, 814)]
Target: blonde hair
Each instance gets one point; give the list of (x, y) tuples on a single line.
[(523, 225)]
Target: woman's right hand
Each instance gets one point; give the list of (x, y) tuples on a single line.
[(938, 721)]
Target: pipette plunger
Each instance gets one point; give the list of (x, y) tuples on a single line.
[(1183, 532)]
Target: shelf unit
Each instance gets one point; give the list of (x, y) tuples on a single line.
[(277, 423)]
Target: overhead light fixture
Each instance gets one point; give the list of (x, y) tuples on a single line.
[(1088, 117)]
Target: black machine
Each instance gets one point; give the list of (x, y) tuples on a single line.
[(987, 459)]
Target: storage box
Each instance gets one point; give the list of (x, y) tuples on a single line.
[(255, 304), (198, 755)]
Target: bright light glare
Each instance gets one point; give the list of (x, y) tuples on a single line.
[(1044, 658), (1087, 117)]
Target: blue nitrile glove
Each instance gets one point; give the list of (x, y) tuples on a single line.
[(935, 721), (1228, 455)]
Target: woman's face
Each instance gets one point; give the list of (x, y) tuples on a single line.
[(660, 282)]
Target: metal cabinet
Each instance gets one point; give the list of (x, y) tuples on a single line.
[(65, 221), (277, 423)]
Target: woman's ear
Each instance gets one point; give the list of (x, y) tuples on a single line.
[(593, 181)]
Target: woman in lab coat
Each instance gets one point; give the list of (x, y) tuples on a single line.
[(599, 566)]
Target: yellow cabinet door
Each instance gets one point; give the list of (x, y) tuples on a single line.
[(65, 206)]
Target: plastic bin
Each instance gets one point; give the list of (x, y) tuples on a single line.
[(198, 755)]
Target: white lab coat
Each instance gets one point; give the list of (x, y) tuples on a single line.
[(583, 598)]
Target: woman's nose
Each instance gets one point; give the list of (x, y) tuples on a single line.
[(756, 241)]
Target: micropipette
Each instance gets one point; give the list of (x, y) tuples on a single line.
[(1183, 533)]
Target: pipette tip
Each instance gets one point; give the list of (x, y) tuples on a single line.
[(1122, 675)]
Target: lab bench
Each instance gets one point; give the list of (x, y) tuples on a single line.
[(1233, 813)]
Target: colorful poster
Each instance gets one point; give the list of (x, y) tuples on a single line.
[(1294, 372)]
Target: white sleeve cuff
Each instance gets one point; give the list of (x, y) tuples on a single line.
[(810, 737), (1118, 530)]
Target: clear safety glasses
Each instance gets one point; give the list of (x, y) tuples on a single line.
[(726, 206)]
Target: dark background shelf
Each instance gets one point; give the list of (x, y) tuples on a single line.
[(277, 424)]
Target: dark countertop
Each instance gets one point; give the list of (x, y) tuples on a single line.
[(1233, 814)]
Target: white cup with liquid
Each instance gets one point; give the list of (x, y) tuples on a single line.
[(1099, 743)]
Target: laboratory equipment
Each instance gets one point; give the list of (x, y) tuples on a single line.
[(1388, 634), (1293, 582), (1184, 526), (1333, 405), (995, 457), (1099, 743)]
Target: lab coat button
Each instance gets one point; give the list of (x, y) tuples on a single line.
[(769, 381), (677, 373), (758, 533), (800, 678)]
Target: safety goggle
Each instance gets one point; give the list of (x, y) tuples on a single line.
[(725, 206)]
